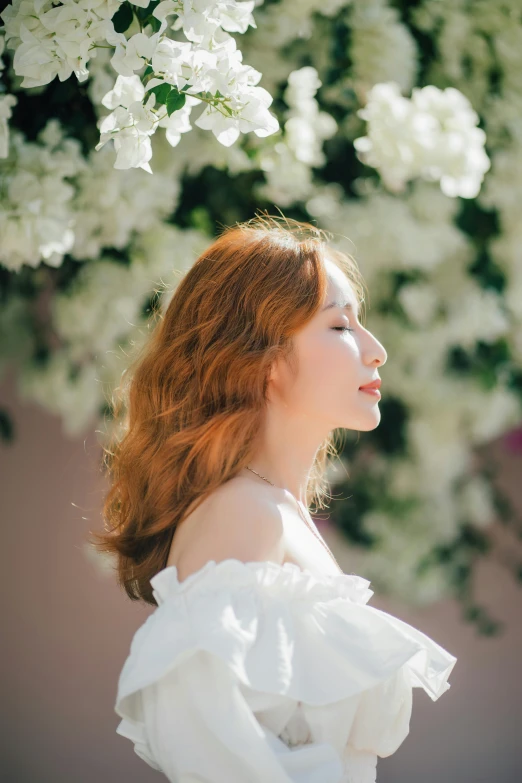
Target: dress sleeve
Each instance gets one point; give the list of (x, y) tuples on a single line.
[(198, 726), (216, 673)]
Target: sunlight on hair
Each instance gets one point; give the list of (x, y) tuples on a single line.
[(191, 400)]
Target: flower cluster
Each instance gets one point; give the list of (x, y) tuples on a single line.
[(382, 47), (52, 40), (56, 202), (288, 165), (36, 212), (56, 39), (433, 135)]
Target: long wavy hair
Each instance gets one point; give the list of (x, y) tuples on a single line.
[(192, 402)]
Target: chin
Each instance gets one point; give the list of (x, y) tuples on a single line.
[(367, 423), (364, 421), (359, 426)]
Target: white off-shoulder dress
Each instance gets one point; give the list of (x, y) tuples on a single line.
[(264, 673)]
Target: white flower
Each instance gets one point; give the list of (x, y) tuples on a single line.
[(36, 214), (506, 250), (246, 106), (111, 205), (438, 444), (476, 502), (6, 104), (288, 164), (306, 126), (131, 55), (179, 64), (178, 122), (53, 40), (457, 158), (419, 302), (477, 314), (160, 253), (253, 115), (201, 21), (325, 200), (287, 179), (503, 187), (126, 90), (433, 135), (130, 125), (76, 399), (402, 543), (491, 413), (100, 307), (382, 48), (101, 80), (404, 239)]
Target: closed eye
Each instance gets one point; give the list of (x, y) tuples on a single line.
[(343, 328)]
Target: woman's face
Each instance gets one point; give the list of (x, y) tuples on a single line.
[(335, 356)]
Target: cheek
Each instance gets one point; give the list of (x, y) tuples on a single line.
[(330, 363)]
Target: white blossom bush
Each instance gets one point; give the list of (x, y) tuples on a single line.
[(56, 39), (397, 130)]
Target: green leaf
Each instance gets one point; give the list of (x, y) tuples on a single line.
[(472, 613), (148, 70), (154, 23), (490, 627), (122, 19), (144, 13), (161, 91), (200, 219), (175, 101)]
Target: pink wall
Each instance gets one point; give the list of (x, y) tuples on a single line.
[(67, 630)]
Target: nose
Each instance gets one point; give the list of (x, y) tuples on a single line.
[(374, 351)]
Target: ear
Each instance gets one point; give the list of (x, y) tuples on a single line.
[(274, 374)]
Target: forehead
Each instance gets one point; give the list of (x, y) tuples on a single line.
[(339, 288)]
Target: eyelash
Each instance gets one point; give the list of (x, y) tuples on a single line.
[(343, 328)]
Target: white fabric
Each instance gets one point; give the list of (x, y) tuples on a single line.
[(265, 673)]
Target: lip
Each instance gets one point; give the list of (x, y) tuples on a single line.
[(373, 392), (376, 384)]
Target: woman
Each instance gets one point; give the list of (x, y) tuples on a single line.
[(262, 661)]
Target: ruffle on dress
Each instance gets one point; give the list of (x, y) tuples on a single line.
[(256, 672)]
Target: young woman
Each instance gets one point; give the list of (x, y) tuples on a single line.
[(262, 662)]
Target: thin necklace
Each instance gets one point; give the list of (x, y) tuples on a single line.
[(303, 517)]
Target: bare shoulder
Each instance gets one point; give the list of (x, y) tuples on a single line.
[(250, 519), (239, 520)]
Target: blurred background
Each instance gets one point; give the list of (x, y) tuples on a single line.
[(394, 126)]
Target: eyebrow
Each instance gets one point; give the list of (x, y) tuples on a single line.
[(342, 305)]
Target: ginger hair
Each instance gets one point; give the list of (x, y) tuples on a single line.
[(193, 399)]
